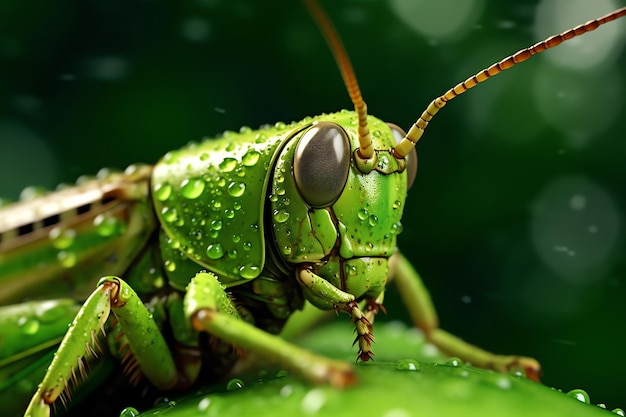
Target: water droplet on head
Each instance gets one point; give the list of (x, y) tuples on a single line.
[(162, 191), (169, 214), (216, 225), (192, 188), (281, 216), (228, 164), (236, 189), (373, 220), (215, 251), (249, 271), (250, 158), (362, 214)]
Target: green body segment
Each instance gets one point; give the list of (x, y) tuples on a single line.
[(210, 201)]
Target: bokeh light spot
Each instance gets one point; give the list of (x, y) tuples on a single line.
[(585, 52), (579, 105), (442, 20), (575, 227)]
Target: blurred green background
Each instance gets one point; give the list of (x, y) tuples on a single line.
[(516, 219)]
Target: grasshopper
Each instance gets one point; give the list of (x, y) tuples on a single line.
[(269, 217)]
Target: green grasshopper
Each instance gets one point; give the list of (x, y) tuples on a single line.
[(269, 217)]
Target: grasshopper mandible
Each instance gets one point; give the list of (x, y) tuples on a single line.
[(332, 191)]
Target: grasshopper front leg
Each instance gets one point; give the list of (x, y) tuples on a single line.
[(142, 333), (211, 310), (424, 316)]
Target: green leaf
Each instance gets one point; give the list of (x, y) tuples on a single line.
[(408, 378)]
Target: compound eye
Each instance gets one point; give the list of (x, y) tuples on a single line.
[(322, 163), (411, 158)]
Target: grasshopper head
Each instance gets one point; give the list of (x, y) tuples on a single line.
[(334, 215)]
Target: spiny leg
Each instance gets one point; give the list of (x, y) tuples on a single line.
[(423, 313), (144, 337), (325, 295), (210, 309)]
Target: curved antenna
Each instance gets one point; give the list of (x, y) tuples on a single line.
[(417, 130), (366, 150)]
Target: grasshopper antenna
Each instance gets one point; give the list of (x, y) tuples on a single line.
[(417, 130), (366, 150)]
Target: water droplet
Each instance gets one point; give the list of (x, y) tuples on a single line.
[(67, 259), (62, 238), (162, 191), (578, 202), (313, 401), (204, 404), (282, 373), (247, 246), (228, 164), (618, 411), (397, 412), (280, 125), (281, 216), (169, 214), (397, 204), (204, 156), (234, 384), (215, 251), (250, 158), (362, 214), (236, 238), (286, 391), (192, 189), (236, 189), (232, 254), (28, 325), (454, 362), (107, 225), (373, 220), (249, 271), (216, 225), (236, 205), (408, 365), (580, 395), (503, 382), (129, 412), (287, 250), (170, 266)]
